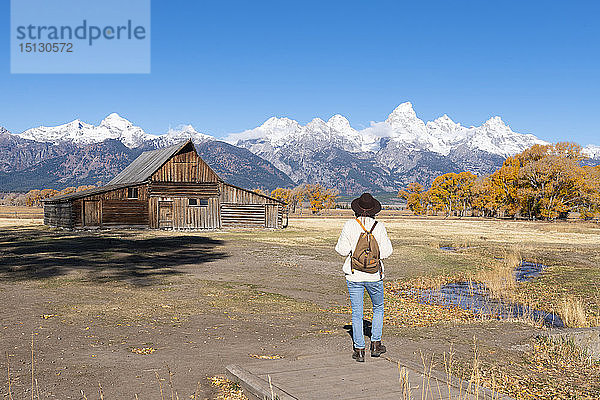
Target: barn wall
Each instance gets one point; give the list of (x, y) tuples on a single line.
[(176, 195), (232, 194), (125, 212), (199, 190), (186, 166), (114, 208), (243, 208), (58, 215)]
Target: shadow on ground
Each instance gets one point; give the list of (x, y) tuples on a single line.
[(366, 329), (29, 254)]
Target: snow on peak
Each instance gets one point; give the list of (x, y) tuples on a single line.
[(592, 151), (115, 120), (339, 123), (4, 131), (495, 121), (404, 108), (179, 134), (77, 131), (402, 127)]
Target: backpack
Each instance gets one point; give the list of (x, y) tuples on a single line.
[(366, 254)]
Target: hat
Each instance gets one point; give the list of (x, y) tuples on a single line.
[(366, 205)]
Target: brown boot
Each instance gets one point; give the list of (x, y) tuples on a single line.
[(377, 348), (359, 355)]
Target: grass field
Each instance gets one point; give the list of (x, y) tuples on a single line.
[(14, 212), (120, 306)]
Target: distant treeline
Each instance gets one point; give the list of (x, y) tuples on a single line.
[(543, 182), (316, 196), (34, 198)]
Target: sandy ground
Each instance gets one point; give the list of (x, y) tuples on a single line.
[(198, 301)]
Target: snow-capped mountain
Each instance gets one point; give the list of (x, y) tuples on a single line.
[(401, 148), (179, 134), (384, 156), (592, 151), (112, 127), (402, 126)]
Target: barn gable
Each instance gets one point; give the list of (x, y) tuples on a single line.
[(177, 163), (185, 165)]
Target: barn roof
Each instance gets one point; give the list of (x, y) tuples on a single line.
[(85, 193), (142, 168)]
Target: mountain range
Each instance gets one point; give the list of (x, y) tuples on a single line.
[(281, 152)]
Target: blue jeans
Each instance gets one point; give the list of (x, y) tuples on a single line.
[(357, 293)]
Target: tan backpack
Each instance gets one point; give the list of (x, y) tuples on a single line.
[(366, 254)]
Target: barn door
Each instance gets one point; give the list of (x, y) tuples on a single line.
[(165, 214), (91, 213), (270, 216)]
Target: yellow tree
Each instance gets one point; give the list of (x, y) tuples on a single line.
[(590, 205), (413, 195), (319, 198), (452, 191), (504, 183), (282, 194), (486, 197), (68, 190), (32, 198), (47, 193)]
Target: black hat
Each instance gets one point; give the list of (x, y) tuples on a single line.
[(366, 205)]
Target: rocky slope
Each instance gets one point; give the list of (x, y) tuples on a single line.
[(280, 153)]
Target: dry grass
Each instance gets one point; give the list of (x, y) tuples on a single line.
[(227, 390), (20, 222), (500, 278), (572, 312), (14, 212)]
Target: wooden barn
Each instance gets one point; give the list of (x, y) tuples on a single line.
[(169, 188)]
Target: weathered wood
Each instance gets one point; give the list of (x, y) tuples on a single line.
[(185, 166), (202, 189), (91, 213), (255, 387), (330, 376), (59, 215), (165, 214), (125, 212)]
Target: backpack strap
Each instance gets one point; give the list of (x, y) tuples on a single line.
[(373, 227), (361, 225)]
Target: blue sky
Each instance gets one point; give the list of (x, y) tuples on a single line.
[(227, 66)]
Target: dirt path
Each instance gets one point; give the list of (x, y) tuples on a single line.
[(196, 302)]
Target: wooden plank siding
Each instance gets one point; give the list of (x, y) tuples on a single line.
[(184, 189), (244, 208), (59, 215), (242, 215), (187, 166), (125, 212), (115, 208)]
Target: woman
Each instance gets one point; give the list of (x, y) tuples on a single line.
[(371, 276)]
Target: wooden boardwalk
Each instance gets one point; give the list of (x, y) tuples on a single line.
[(340, 377)]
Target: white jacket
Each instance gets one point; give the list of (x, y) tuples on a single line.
[(347, 243)]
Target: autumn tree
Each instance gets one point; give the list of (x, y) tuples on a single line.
[(413, 195), (589, 206), (318, 197), (452, 191), (32, 198)]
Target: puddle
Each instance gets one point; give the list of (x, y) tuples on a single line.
[(526, 271), (448, 248), (475, 297)]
